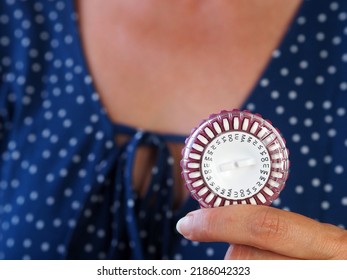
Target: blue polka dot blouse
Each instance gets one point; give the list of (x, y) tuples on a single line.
[(65, 184)]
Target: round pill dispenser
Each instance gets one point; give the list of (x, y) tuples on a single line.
[(235, 157)]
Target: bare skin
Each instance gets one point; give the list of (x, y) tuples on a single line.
[(190, 57), (164, 65)]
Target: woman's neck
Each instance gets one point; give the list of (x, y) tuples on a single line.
[(169, 51), (191, 23)]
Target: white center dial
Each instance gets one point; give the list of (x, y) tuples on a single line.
[(236, 165)]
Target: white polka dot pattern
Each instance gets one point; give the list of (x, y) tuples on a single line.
[(305, 91)]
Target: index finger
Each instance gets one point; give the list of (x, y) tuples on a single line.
[(266, 228)]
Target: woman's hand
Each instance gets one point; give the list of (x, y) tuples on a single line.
[(263, 232)]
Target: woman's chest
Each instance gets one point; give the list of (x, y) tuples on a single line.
[(164, 75)]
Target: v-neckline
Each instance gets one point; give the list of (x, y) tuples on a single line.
[(121, 128), (189, 204)]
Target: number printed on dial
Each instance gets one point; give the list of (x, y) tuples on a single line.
[(235, 157)]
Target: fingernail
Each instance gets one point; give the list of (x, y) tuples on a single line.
[(229, 252), (183, 226)]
